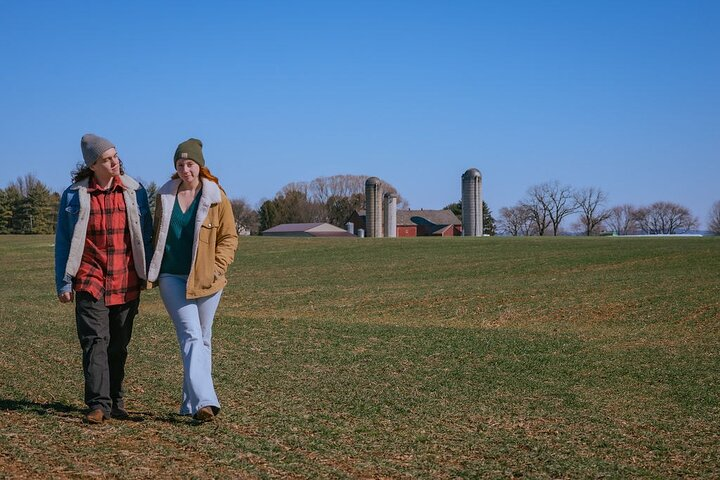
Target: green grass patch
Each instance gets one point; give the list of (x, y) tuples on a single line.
[(366, 358)]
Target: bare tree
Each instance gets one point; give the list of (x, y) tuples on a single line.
[(302, 187), (714, 219), (246, 218), (549, 203), (517, 220), (324, 199), (621, 219), (538, 214), (322, 189), (589, 202), (26, 184), (665, 218), (560, 202)]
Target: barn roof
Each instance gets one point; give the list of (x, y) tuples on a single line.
[(428, 218), (308, 229), (417, 217), (441, 230)]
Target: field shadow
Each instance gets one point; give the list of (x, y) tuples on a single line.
[(173, 418), (50, 408), (66, 410)]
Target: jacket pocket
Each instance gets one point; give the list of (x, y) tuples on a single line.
[(208, 233)]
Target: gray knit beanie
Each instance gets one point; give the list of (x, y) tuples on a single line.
[(93, 146)]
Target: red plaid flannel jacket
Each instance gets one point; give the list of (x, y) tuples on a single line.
[(107, 269)]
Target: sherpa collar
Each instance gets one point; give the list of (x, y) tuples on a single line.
[(210, 190), (129, 183)]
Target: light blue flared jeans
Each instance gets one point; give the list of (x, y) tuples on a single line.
[(193, 321)]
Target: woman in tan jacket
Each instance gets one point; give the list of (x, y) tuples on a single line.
[(195, 241)]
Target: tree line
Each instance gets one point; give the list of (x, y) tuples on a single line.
[(324, 199), (27, 206), (547, 206)]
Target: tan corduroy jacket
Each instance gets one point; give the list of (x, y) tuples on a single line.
[(214, 242)]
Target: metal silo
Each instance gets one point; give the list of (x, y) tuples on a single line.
[(472, 224), (390, 214), (373, 207)]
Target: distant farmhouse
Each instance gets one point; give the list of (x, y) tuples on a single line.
[(306, 230), (417, 223), (381, 217)]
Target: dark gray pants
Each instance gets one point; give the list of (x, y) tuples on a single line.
[(104, 334)]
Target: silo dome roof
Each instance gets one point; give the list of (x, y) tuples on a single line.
[(373, 181), (472, 172)]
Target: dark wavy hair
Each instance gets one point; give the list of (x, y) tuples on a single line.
[(82, 172)]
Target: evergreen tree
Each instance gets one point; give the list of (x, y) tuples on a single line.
[(339, 208), (488, 221), (456, 208), (13, 198), (34, 206), (6, 212), (268, 215), (36, 210), (151, 189)]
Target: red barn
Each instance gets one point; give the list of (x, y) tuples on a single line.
[(418, 223)]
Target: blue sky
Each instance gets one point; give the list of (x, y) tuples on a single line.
[(621, 95)]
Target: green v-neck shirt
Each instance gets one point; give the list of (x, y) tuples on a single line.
[(177, 257)]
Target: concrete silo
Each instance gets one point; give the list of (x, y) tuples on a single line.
[(373, 207), (472, 220), (390, 214)]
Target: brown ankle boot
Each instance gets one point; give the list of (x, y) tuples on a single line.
[(119, 413), (95, 416), (205, 414)]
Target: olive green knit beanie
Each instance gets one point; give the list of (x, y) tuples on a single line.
[(192, 149)]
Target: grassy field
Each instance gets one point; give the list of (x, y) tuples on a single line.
[(392, 358)]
